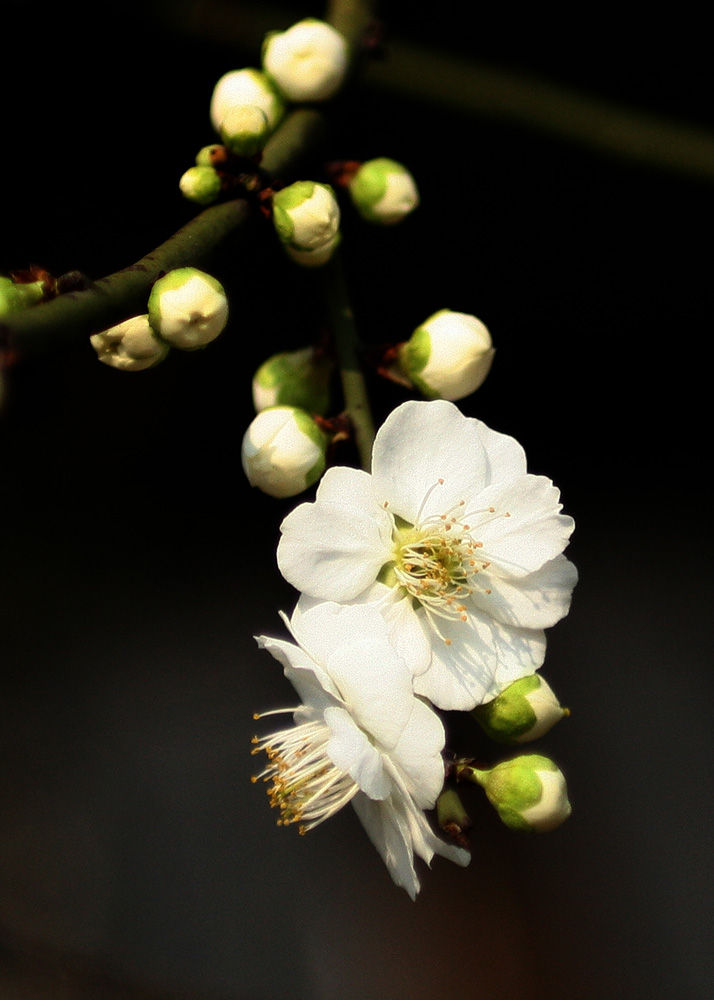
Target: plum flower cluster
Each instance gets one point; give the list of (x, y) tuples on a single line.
[(426, 584)]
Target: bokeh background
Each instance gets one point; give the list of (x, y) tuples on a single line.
[(136, 859)]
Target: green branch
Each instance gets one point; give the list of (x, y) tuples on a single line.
[(75, 315), (341, 322)]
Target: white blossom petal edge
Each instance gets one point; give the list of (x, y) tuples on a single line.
[(451, 527), (360, 735)]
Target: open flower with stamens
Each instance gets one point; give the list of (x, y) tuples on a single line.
[(459, 547), (360, 735)]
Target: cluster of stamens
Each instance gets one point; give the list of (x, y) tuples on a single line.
[(305, 786), (436, 560)]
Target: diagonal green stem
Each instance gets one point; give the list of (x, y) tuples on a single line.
[(73, 316), (342, 324)]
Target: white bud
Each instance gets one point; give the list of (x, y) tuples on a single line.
[(130, 346), (283, 451), (448, 356), (246, 87), (308, 62), (245, 130), (383, 191), (188, 308), (306, 216), (200, 184)]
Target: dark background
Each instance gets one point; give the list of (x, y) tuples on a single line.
[(136, 564)]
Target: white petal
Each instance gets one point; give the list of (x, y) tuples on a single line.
[(374, 681), (417, 755), (407, 632), (482, 652), (506, 457), (534, 532), (390, 835), (420, 444), (350, 750), (333, 551), (341, 484), (538, 600), (299, 668)]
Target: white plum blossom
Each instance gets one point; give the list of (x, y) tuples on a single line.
[(456, 543), (360, 735)]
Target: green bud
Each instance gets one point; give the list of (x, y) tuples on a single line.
[(245, 130), (16, 296), (201, 184), (383, 191), (204, 157), (294, 378), (529, 792), (524, 711)]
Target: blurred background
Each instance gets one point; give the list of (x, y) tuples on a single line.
[(565, 167)]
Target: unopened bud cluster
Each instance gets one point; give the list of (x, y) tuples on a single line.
[(187, 309), (284, 449)]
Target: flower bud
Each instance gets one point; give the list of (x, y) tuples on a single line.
[(306, 216), (307, 62), (448, 356), (16, 295), (246, 87), (523, 711), (283, 451), (245, 129), (294, 378), (200, 184), (130, 346), (383, 191), (204, 157), (188, 308), (529, 792)]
